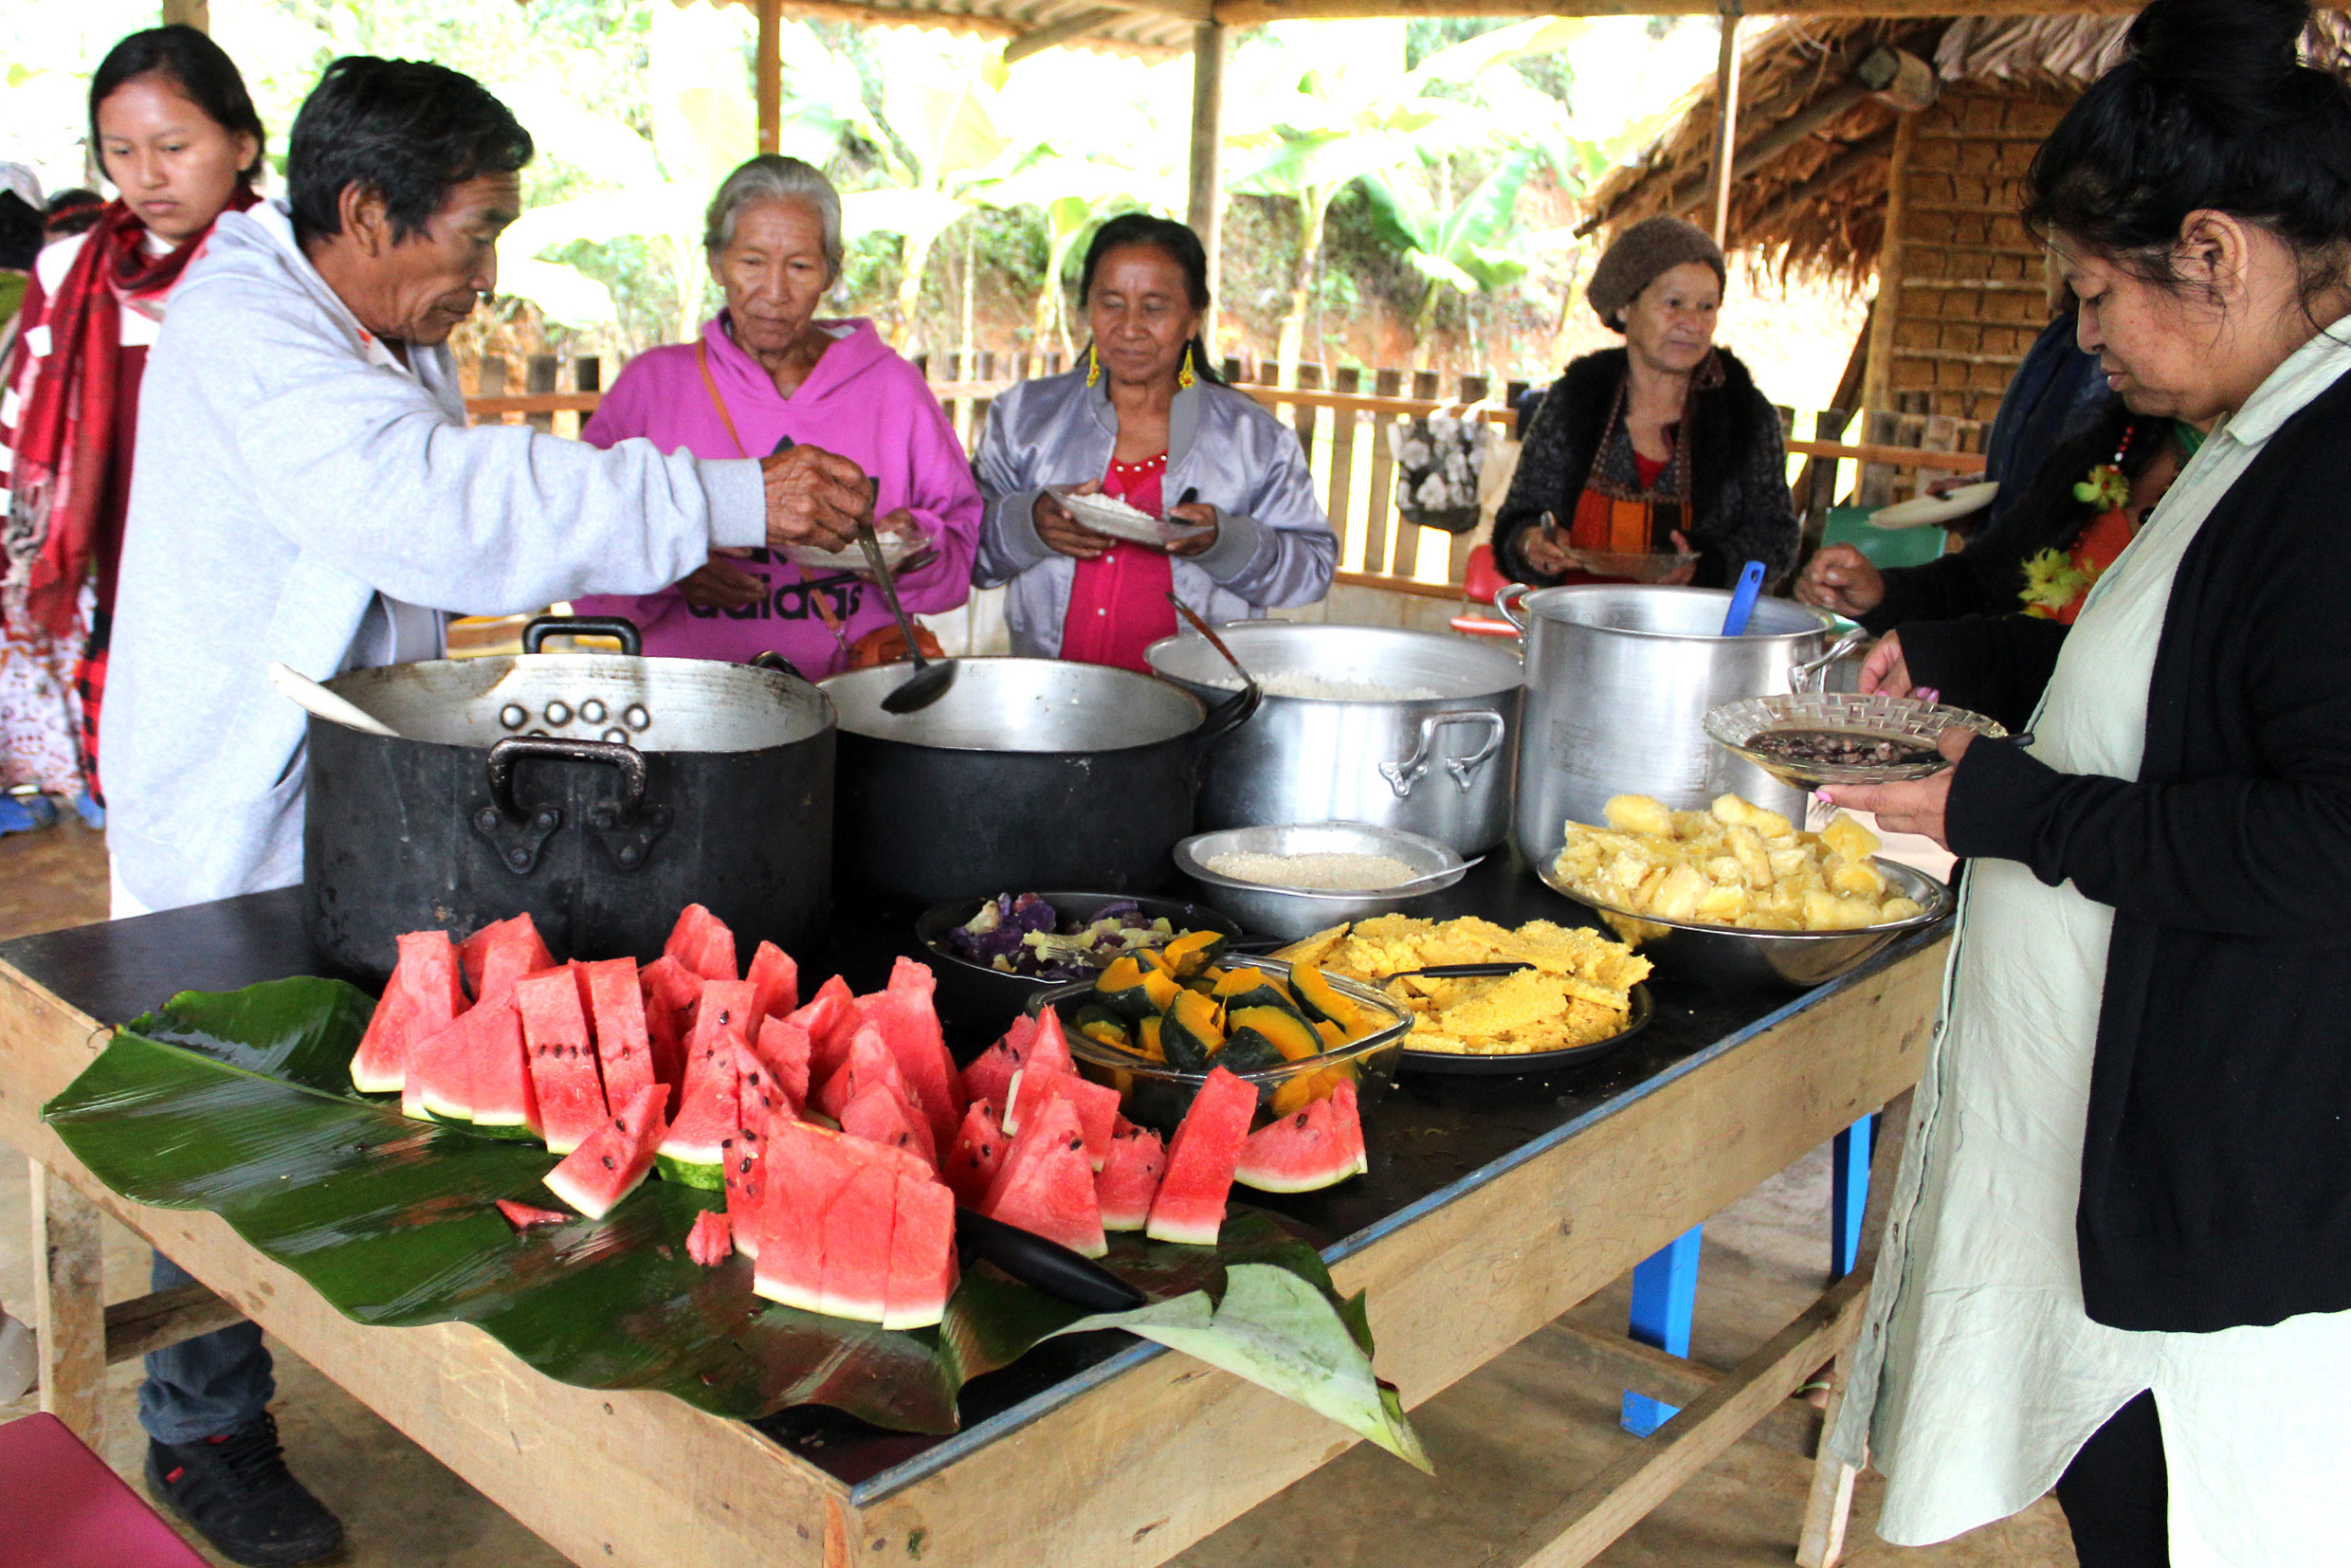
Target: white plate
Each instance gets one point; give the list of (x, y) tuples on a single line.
[(1927, 509), (895, 547), (1120, 522)]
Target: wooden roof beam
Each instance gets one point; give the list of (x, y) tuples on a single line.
[(1248, 13), (1854, 160), (1796, 128), (1037, 40)]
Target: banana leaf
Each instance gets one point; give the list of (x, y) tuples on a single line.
[(240, 1103)]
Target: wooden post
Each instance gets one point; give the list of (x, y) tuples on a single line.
[(1348, 381), (1886, 311), (539, 379), (1726, 115), (70, 1301), (1405, 562), (490, 381), (196, 14), (1204, 207), (1382, 504), (1302, 415), (769, 71), (1473, 389)]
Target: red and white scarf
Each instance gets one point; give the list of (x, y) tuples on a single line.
[(64, 440)]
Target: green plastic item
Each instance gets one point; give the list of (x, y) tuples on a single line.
[(1883, 547)]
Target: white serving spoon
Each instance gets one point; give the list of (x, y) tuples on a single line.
[(315, 700)]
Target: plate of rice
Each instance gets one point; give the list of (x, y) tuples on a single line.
[(1111, 516)]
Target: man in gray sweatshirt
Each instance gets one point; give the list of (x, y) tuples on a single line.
[(307, 490)]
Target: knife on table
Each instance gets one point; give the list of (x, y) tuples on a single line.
[(1044, 1265)]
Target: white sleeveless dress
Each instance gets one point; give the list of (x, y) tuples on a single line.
[(1984, 1372)]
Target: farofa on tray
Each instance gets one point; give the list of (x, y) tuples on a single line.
[(1578, 992)]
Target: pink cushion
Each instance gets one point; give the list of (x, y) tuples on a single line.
[(65, 1509)]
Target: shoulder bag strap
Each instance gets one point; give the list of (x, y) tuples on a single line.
[(701, 363)]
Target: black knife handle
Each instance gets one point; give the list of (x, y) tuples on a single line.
[(1048, 1266)]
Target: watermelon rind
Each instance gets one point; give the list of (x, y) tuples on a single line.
[(1301, 1153), (613, 1160), (710, 1175), (1189, 1206)]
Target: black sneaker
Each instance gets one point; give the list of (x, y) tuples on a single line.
[(237, 1492)]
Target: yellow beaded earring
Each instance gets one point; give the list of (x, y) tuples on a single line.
[(1093, 366), (1183, 373)]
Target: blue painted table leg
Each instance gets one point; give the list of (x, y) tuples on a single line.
[(1849, 1162), (1665, 1294)]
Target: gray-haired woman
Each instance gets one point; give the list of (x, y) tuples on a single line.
[(766, 374)]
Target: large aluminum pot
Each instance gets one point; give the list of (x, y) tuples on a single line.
[(1437, 766), (601, 792), (1619, 679), (1026, 774)]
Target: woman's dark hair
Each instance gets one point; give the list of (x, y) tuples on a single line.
[(1174, 240), (406, 130), (2049, 509), (74, 211), (21, 234), (199, 67), (2213, 110)]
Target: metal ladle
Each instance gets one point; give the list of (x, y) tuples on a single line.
[(1215, 642), (931, 677)]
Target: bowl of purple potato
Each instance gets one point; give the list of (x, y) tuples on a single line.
[(1809, 738), (991, 955)]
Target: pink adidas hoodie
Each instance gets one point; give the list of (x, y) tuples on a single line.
[(862, 401)]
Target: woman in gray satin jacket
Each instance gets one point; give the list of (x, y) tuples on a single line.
[(1145, 419)]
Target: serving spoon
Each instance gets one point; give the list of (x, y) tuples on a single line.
[(931, 677), (319, 703), (1201, 625)]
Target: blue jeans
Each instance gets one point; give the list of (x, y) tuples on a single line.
[(202, 1387)]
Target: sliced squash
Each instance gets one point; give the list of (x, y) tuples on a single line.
[(1319, 999), (1301, 1090), (1192, 953), (1252, 988), (1147, 1039), (1190, 1033), (1332, 1036), (1133, 990), (1291, 1037)]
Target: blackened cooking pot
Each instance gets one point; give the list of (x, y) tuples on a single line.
[(1026, 774), (602, 792)]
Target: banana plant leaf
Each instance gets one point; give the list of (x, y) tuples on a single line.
[(240, 1103)]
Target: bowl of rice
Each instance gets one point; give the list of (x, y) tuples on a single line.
[(1292, 880)]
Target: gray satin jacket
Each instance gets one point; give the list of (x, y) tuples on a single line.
[(1274, 545)]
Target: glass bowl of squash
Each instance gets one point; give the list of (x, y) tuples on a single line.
[(1154, 1025)]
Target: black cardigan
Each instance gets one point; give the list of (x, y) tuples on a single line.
[(1740, 506), (2216, 1164)]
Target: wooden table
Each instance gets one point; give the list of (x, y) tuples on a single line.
[(1494, 1206)]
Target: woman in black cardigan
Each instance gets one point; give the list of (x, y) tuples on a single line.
[(2121, 1245), (1663, 444)]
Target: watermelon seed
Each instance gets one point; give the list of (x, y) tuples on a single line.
[(607, 1163)]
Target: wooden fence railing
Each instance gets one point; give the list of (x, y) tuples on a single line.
[(1344, 428)]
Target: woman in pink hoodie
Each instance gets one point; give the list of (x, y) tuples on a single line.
[(766, 375)]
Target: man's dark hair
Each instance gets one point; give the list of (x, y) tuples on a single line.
[(406, 130), (74, 211), (199, 67)]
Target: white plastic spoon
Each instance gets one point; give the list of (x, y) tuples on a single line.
[(315, 700)]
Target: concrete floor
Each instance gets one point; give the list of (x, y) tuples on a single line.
[(1507, 1442)]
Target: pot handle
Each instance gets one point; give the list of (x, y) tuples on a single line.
[(1803, 675), (1507, 599), (1402, 775), (1226, 717), (770, 659), (543, 626), (514, 747)]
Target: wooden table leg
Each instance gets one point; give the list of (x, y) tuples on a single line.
[(1830, 1503), (70, 1298)]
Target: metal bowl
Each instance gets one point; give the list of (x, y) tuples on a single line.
[(985, 1002), (1731, 958), (1735, 726), (1631, 566), (1156, 1095), (1295, 912)]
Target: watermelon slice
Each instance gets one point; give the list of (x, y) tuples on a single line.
[(758, 1102), (613, 1158), (700, 941), (670, 984), (783, 1045), (1319, 1146), (923, 1254), (774, 983), (1129, 1178), (1097, 1105), (563, 1062), (976, 1155), (1046, 1186), (441, 1071), (870, 1060), (1039, 1039), (505, 1102), (722, 1021), (615, 1005), (709, 1115), (421, 999), (830, 1019), (805, 1166), (502, 952), (711, 1241), (855, 1281), (1190, 1207), (881, 1113), (523, 1217), (908, 1020)]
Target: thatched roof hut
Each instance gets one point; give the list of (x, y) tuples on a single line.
[(1931, 120)]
